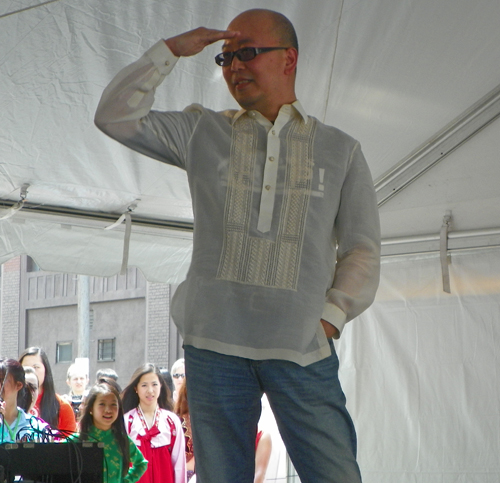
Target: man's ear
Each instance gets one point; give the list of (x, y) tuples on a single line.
[(292, 57)]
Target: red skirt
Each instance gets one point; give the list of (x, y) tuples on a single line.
[(160, 468)]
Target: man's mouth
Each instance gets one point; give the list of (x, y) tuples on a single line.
[(241, 83)]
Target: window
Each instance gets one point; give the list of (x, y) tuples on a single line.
[(64, 352), (106, 350)]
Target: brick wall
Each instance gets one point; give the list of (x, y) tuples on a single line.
[(158, 326), (9, 308)]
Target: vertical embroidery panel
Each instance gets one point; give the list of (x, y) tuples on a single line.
[(255, 260)]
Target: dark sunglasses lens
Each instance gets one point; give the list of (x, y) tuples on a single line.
[(224, 59), (245, 54)]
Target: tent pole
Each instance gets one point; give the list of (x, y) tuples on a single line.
[(83, 316)]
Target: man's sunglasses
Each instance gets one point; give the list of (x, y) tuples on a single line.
[(224, 59)]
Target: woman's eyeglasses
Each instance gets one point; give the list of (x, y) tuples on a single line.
[(176, 376)]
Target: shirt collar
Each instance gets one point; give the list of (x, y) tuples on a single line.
[(297, 107)]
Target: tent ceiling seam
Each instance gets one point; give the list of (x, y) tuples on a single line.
[(435, 149), (27, 8), (44, 210)]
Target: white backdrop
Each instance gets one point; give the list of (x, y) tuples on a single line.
[(421, 371)]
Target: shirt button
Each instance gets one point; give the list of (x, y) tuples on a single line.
[(268, 187), (271, 158), (167, 62), (273, 132)]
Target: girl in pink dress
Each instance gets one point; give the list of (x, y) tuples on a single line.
[(153, 427)]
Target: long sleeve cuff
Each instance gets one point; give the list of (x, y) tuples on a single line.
[(334, 316), (130, 95), (162, 57)]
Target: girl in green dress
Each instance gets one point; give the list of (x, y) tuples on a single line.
[(102, 421)]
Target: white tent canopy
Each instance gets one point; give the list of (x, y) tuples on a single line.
[(416, 81), (392, 74)]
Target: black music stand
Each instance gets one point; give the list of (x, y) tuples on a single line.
[(67, 462)]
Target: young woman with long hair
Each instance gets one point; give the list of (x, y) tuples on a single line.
[(49, 405), (154, 427)]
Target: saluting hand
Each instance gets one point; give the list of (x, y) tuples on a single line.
[(194, 41)]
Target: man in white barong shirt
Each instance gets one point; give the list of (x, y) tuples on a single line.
[(286, 247)]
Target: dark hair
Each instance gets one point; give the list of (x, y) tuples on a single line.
[(118, 427), (49, 405), (111, 373), (11, 367), (129, 395), (26, 402), (168, 378), (181, 404), (285, 30), (110, 381)]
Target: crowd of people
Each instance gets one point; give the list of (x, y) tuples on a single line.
[(145, 427)]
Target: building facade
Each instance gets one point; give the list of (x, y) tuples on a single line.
[(129, 320)]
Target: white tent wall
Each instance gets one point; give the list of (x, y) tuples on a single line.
[(421, 372)]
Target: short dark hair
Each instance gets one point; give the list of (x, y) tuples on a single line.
[(286, 30), (108, 372)]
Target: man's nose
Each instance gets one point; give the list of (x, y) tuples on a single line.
[(236, 64)]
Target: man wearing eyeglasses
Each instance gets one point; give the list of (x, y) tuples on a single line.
[(285, 248)]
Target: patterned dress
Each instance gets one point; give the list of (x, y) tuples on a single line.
[(161, 444), (113, 459), (188, 436)]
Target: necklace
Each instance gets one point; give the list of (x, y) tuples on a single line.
[(143, 418)]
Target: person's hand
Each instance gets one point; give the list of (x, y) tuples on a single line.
[(330, 330), (194, 41)]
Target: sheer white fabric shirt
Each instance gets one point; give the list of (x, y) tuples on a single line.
[(286, 226)]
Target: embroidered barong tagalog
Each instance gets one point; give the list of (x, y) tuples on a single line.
[(259, 261)]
